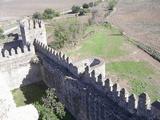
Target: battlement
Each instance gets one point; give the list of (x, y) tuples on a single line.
[(139, 106), (33, 29), (82, 85), (30, 24), (15, 52), (75, 68)]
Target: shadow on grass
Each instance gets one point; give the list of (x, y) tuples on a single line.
[(34, 93)]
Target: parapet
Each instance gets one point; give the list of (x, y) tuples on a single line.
[(16, 52), (30, 24), (139, 106), (96, 64)]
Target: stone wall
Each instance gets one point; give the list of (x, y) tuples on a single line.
[(91, 97), (8, 109), (16, 67), (33, 29)]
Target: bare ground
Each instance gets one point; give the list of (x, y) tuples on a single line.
[(140, 19), (13, 9)]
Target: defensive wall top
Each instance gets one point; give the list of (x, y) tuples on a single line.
[(140, 105)]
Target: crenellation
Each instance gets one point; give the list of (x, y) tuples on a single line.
[(123, 99), (143, 105), (82, 86), (120, 96), (99, 80), (12, 52), (132, 103), (6, 53), (108, 85), (93, 77), (116, 92), (18, 50)]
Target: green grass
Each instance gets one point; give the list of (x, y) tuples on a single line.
[(101, 44), (29, 94), (138, 74), (32, 94), (109, 44)]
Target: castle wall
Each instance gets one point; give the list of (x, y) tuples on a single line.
[(33, 29), (88, 96), (8, 109), (16, 67)]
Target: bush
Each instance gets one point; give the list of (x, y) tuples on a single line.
[(111, 4), (86, 10), (51, 101), (45, 113), (67, 33), (91, 4), (49, 107), (61, 36), (1, 34), (49, 14), (85, 5), (75, 9), (81, 12), (37, 15)]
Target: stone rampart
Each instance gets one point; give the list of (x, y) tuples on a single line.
[(88, 96), (16, 67), (33, 29)]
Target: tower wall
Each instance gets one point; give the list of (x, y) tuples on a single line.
[(16, 67), (33, 30)]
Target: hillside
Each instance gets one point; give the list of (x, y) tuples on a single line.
[(140, 19), (10, 9)]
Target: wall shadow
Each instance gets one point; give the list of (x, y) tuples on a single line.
[(33, 87)]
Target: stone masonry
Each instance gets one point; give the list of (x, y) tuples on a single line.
[(82, 86)]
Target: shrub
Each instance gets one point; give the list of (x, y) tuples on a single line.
[(49, 107), (49, 14), (86, 10), (85, 5), (81, 12), (51, 101), (75, 9), (61, 36), (45, 113), (91, 4), (37, 15), (1, 34), (67, 33), (111, 4)]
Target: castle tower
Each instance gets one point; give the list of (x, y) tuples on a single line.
[(33, 30)]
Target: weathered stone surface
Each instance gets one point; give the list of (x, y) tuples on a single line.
[(81, 86)]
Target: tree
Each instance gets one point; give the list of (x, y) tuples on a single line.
[(75, 9), (45, 113), (50, 13), (37, 15), (85, 6), (81, 12), (49, 107), (91, 4), (51, 101)]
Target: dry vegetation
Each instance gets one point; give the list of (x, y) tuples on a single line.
[(10, 9), (140, 19)]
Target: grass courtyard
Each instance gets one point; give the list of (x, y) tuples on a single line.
[(121, 60), (32, 94)]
